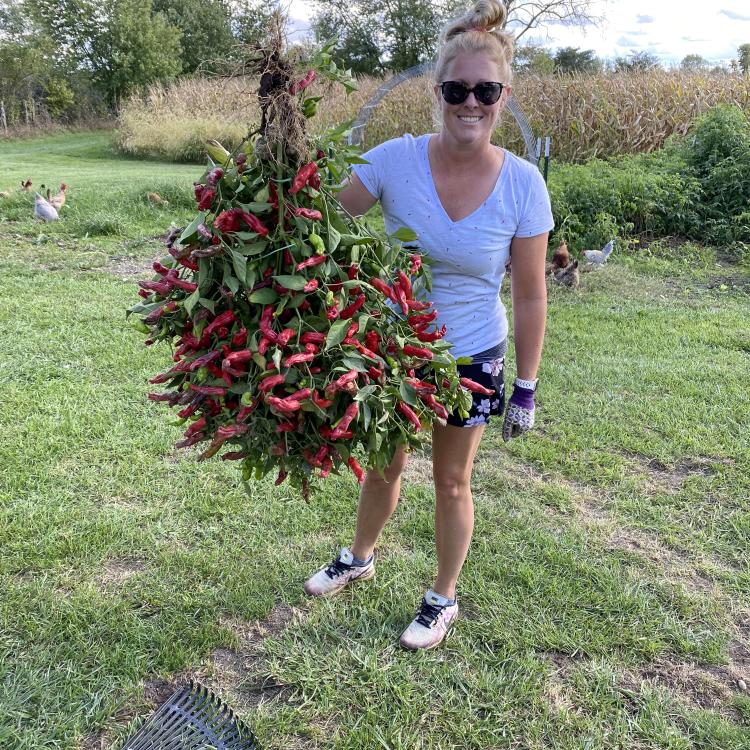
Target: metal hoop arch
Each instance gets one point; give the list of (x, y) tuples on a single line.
[(356, 134)]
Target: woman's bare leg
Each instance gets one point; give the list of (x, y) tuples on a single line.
[(453, 451), (377, 501)]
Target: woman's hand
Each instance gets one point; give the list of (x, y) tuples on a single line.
[(519, 415)]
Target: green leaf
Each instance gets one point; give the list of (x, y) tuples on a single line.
[(464, 360), (192, 301), (334, 237), (356, 239), (254, 248), (192, 227), (277, 359), (256, 207), (229, 279), (337, 333), (366, 415), (262, 195), (264, 296), (240, 264), (405, 234), (209, 304), (246, 235), (408, 393), (364, 393), (354, 362), (297, 283)]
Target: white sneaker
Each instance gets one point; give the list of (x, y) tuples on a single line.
[(332, 578), (428, 628)]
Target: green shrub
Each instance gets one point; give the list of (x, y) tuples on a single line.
[(696, 187)]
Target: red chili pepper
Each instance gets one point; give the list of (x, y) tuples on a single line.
[(327, 467), (210, 390), (263, 345), (191, 264), (301, 395), (274, 196), (375, 374), (234, 455), (224, 319), (372, 339), (405, 283), (315, 260), (352, 271), (382, 287), (286, 426), (296, 359), (421, 387), (472, 385), (312, 337), (409, 413), (240, 338), (308, 213), (270, 382), (436, 406), (295, 88), (319, 401), (265, 324), (421, 320), (356, 468), (254, 223), (401, 297), (349, 415), (243, 355), (206, 199), (311, 286), (333, 311), (314, 348), (321, 453), (416, 263), (353, 328), (281, 477), (288, 258), (417, 351), (198, 425), (315, 370), (362, 349), (283, 405), (434, 336), (341, 382), (246, 411), (302, 177), (188, 411), (349, 310), (285, 336), (143, 293)]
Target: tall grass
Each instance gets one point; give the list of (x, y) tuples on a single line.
[(587, 116)]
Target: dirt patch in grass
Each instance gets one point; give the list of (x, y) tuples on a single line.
[(418, 468), (127, 267), (118, 570), (662, 477)]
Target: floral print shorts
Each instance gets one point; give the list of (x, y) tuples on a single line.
[(487, 369)]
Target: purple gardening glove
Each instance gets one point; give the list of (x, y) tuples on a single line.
[(519, 416)]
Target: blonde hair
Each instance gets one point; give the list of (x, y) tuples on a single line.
[(478, 30)]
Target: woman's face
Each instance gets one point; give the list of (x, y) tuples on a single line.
[(471, 121)]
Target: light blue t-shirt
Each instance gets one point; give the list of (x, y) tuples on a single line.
[(468, 256)]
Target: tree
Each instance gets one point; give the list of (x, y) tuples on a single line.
[(205, 26), (122, 43), (250, 20), (637, 60), (575, 60), (524, 15), (533, 58), (694, 62), (403, 32), (743, 58)]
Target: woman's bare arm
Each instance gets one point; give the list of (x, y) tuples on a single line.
[(355, 198), (529, 295)]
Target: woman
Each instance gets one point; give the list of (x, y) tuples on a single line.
[(473, 207)]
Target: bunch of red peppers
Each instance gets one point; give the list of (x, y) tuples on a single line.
[(302, 342)]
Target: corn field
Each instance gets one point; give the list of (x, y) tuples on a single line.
[(586, 116)]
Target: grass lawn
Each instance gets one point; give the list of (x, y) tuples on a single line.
[(605, 603)]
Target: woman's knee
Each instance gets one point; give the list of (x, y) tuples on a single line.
[(452, 486)]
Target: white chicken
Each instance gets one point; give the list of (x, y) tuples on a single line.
[(44, 210), (599, 257)]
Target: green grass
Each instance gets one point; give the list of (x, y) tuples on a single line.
[(568, 639)]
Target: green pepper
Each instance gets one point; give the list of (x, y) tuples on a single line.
[(317, 242)]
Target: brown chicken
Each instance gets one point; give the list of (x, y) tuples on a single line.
[(568, 276), (560, 259), (26, 185), (58, 201)]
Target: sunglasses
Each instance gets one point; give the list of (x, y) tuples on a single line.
[(487, 92)]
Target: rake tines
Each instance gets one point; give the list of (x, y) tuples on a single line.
[(193, 719)]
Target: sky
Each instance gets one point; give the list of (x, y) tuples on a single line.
[(669, 29)]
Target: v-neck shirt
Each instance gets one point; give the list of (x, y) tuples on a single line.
[(468, 256)]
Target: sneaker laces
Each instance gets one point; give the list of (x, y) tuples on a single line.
[(428, 613), (337, 568)]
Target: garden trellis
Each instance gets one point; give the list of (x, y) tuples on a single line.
[(531, 141)]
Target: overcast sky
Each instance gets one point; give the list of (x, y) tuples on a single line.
[(669, 29)]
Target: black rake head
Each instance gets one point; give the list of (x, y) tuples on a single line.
[(193, 719)]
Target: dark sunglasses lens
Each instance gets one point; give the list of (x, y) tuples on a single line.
[(454, 93), (488, 93)]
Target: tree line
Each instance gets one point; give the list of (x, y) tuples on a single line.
[(75, 57)]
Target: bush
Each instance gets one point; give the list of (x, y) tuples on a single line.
[(696, 187)]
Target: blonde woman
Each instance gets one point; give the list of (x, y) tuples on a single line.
[(473, 206)]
